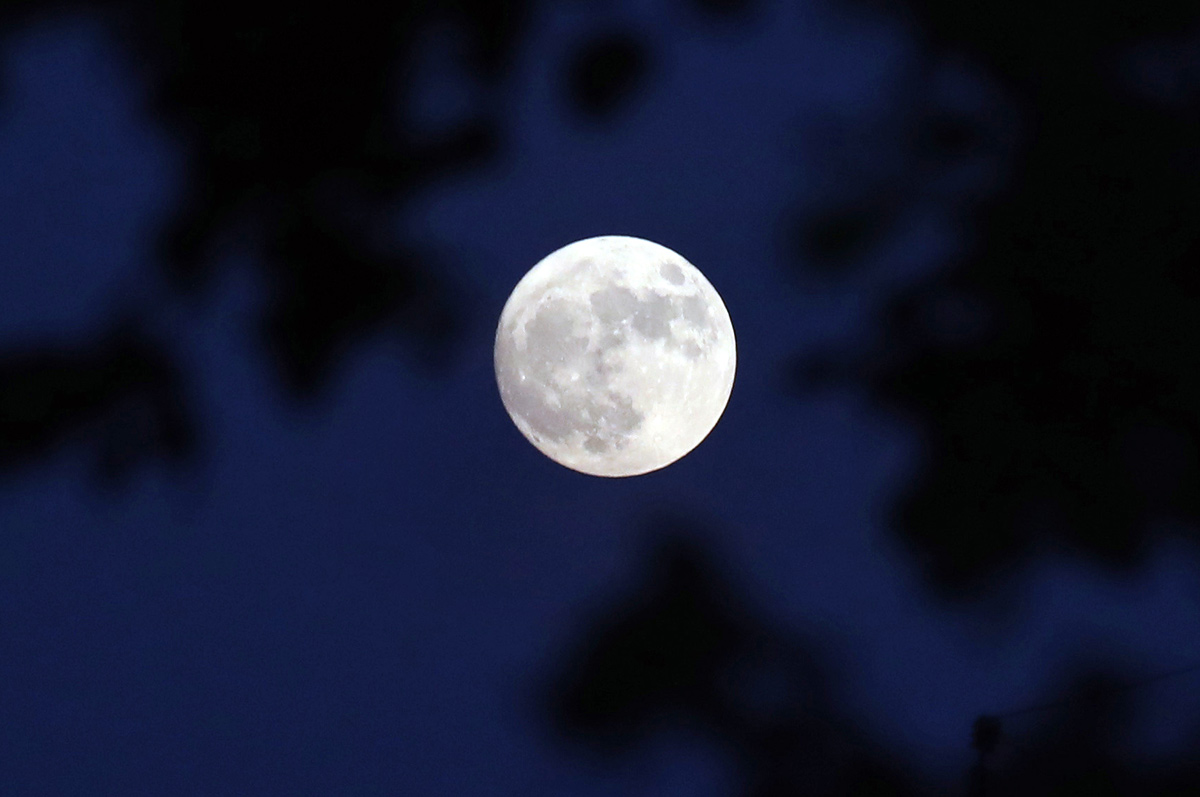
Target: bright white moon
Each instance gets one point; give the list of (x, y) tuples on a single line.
[(615, 356)]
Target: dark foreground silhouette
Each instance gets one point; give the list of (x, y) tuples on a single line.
[(302, 148), (686, 651), (1053, 369), (118, 393)]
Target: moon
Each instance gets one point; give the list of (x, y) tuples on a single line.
[(615, 356)]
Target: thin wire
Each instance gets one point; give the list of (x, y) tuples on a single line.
[(1136, 684)]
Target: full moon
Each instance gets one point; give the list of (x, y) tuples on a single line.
[(615, 356)]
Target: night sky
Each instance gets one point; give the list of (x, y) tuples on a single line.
[(237, 560)]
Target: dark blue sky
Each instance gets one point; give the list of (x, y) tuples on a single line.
[(368, 592)]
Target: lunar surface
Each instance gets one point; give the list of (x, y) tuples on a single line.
[(615, 356)]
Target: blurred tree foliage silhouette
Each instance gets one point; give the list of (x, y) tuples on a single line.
[(1077, 749), (1053, 370), (686, 651), (120, 389), (605, 71), (299, 150)]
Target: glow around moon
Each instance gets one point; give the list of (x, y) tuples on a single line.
[(615, 356)]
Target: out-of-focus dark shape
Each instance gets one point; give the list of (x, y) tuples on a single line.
[(335, 289), (985, 734), (276, 106), (605, 72), (725, 8), (948, 136), (121, 392), (869, 178), (833, 240), (300, 153), (684, 651), (1074, 745), (1055, 370)]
